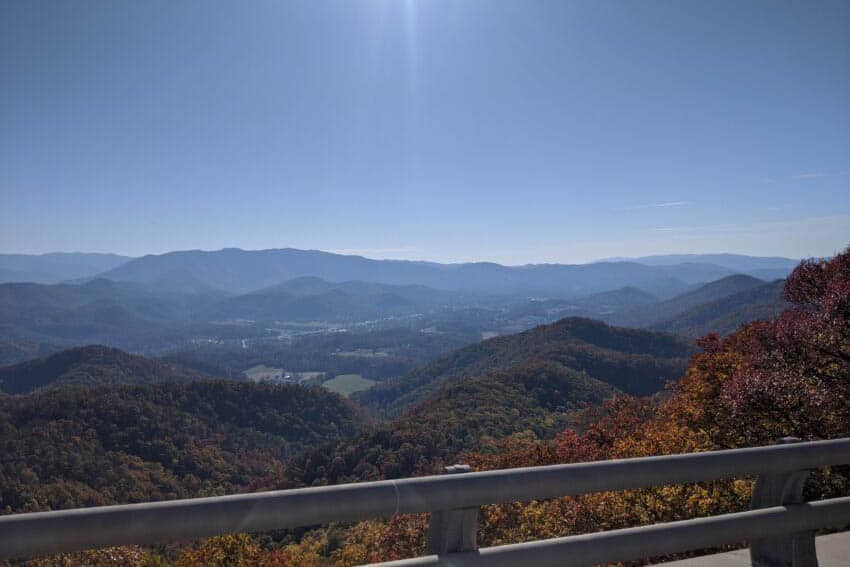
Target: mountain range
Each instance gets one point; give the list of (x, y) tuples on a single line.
[(55, 267), (762, 267), (727, 313), (242, 271), (38, 318), (177, 432), (719, 306), (648, 314), (158, 302), (237, 271)]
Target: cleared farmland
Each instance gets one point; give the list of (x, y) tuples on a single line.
[(347, 384)]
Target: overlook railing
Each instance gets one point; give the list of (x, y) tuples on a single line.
[(779, 527)]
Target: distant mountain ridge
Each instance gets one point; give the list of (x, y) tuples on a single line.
[(762, 267), (237, 271), (244, 271), (56, 267), (148, 318)]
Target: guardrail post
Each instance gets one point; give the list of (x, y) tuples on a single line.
[(793, 550), (450, 531)]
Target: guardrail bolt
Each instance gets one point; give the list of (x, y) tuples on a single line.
[(793, 550), (450, 531)]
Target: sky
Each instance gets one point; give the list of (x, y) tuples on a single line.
[(508, 131)]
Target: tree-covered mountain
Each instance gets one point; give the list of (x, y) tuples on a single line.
[(727, 314), (541, 398), (107, 444), (91, 365), (762, 267), (314, 299), (648, 315), (131, 315), (614, 300), (243, 271), (696, 273), (55, 267), (634, 361), (122, 314), (14, 351)]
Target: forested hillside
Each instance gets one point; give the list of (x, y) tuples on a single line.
[(243, 271), (725, 315), (86, 446), (787, 376), (90, 365), (124, 315), (542, 398), (314, 299), (648, 315), (634, 361)]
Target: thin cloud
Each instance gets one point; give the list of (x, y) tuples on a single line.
[(800, 224), (809, 176), (666, 205)]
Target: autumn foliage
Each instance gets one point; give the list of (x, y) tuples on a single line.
[(785, 377), (788, 376)]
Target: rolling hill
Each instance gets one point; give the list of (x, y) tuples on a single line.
[(540, 398), (762, 267), (311, 299), (107, 444), (55, 267), (633, 361), (612, 301), (649, 315), (121, 314), (594, 306), (90, 365), (727, 314)]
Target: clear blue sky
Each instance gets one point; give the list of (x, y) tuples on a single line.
[(521, 131)]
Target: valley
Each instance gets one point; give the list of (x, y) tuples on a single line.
[(149, 308), (592, 255), (309, 382)]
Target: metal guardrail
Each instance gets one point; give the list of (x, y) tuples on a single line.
[(453, 500), (652, 541)]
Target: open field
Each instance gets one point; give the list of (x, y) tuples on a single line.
[(362, 353), (347, 384), (262, 373), (309, 375)]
